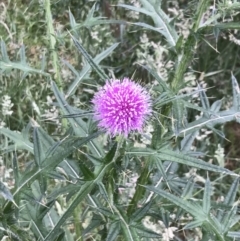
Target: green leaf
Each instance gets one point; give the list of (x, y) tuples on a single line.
[(4, 54), (141, 212), (212, 225), (204, 100), (234, 235), (6, 193), (216, 106), (229, 199), (157, 77), (18, 139), (156, 137), (236, 93), (192, 208), (15, 169), (207, 197), (144, 232), (110, 155), (165, 215), (103, 192), (78, 125), (22, 54), (73, 23), (179, 113), (228, 25), (87, 173), (39, 154), (231, 195), (44, 209), (72, 88), (36, 225), (82, 193), (228, 219), (51, 161), (187, 141), (188, 189), (60, 236), (141, 151), (69, 168), (179, 157), (220, 118), (161, 20), (90, 60), (99, 20), (113, 231), (129, 233), (64, 149), (160, 167), (147, 26), (132, 8), (186, 159), (58, 190), (193, 224)]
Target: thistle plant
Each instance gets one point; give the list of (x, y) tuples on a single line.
[(89, 174)]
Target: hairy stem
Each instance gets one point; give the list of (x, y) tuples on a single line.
[(140, 190), (52, 40), (186, 55)]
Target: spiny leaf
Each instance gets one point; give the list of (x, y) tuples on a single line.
[(113, 231), (87, 173), (187, 191), (78, 125), (216, 106), (207, 197), (15, 169), (19, 140), (186, 205), (204, 100), (220, 118), (6, 193), (82, 193), (87, 68), (236, 93), (5, 57), (229, 199), (38, 149), (64, 150), (141, 212), (228, 25), (160, 19), (191, 161), (90, 60), (234, 235), (193, 224), (144, 232), (187, 141), (178, 112)]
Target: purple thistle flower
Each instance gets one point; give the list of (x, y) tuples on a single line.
[(121, 106)]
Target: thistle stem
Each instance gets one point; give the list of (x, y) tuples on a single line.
[(52, 40), (140, 190)]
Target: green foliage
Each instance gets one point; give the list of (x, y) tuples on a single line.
[(62, 178)]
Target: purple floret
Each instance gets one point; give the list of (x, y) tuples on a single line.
[(121, 106)]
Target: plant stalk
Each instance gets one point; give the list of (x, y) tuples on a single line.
[(52, 40), (188, 50), (140, 190)]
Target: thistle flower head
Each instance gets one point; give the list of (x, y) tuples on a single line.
[(121, 106)]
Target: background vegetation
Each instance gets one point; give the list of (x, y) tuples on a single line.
[(63, 179)]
